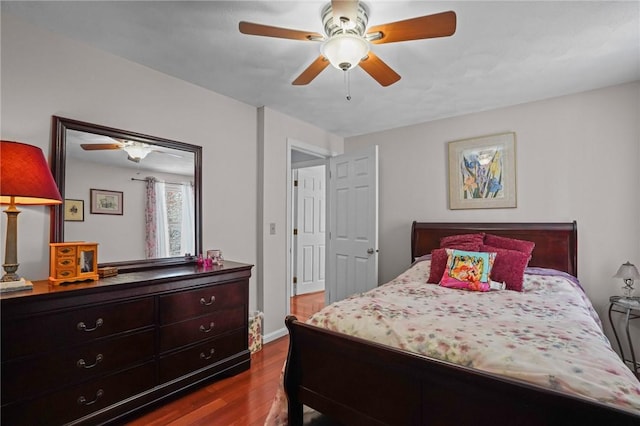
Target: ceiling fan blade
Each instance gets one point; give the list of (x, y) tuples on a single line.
[(100, 146), (346, 9), (430, 26), (311, 72), (269, 31), (380, 71)]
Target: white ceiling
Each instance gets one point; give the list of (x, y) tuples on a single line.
[(503, 53), (161, 159)]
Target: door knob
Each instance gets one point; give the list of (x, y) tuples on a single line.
[(371, 251)]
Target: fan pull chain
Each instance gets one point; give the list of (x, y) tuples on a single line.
[(347, 84)]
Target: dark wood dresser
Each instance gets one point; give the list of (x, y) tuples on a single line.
[(95, 352)]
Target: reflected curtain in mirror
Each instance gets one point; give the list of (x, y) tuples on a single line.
[(169, 211)]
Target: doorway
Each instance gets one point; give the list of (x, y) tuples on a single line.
[(309, 229), (351, 210), (306, 225)]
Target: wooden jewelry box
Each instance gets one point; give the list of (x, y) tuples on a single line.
[(73, 261)]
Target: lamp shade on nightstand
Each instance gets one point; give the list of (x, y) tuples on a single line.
[(25, 179)]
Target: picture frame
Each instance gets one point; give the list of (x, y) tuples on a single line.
[(482, 172), (106, 202), (73, 210)]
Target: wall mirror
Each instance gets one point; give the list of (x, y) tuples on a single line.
[(137, 196)]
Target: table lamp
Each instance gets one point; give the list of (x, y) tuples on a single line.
[(25, 179), (628, 272)]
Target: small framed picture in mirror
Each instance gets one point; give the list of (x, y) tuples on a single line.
[(106, 202), (73, 210)]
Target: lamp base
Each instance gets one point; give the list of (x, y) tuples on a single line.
[(628, 288), (21, 284)]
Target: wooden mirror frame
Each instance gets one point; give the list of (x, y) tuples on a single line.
[(60, 126)]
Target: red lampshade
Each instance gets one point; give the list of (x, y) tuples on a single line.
[(25, 175)]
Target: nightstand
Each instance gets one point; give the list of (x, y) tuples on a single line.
[(630, 308)]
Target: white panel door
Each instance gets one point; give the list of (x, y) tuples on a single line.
[(352, 264), (311, 223)]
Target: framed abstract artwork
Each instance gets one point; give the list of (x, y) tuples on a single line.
[(482, 172)]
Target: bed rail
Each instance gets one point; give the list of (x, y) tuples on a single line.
[(355, 382)]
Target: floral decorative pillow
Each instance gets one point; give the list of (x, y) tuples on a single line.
[(439, 259), (468, 270), (469, 242)]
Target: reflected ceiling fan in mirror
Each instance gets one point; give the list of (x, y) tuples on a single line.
[(136, 151), (346, 43)]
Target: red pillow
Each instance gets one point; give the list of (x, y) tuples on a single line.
[(510, 243), (508, 267), (452, 241), (439, 259), (438, 265)]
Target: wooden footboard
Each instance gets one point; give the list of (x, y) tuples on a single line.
[(356, 382)]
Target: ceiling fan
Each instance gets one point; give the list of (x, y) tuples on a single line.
[(346, 43), (136, 151)]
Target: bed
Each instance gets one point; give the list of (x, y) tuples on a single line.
[(366, 380)]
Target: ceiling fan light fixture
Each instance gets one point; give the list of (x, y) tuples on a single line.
[(345, 51), (137, 151)]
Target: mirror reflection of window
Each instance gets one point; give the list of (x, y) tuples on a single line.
[(179, 204), (170, 213), (86, 261)]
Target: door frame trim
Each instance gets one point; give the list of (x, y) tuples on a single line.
[(320, 152)]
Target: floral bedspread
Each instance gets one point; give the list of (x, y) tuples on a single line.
[(548, 335)]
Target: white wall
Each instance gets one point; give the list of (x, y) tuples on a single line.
[(577, 159), (118, 236), (274, 130), (44, 74), (244, 150)]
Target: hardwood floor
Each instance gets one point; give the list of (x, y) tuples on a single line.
[(243, 399), (305, 305)]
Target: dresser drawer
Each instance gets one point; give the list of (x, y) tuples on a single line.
[(201, 328), (201, 356), (78, 401), (189, 304), (28, 377), (42, 333)]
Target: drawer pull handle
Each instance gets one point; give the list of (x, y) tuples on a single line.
[(209, 303), (82, 364), (83, 401), (206, 330), (83, 327), (205, 357)]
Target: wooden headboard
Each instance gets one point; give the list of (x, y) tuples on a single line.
[(556, 243)]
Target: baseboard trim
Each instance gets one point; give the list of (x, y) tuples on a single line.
[(275, 335)]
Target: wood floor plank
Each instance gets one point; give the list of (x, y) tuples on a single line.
[(243, 399)]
